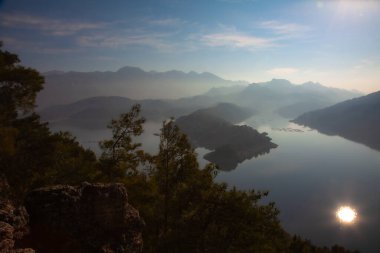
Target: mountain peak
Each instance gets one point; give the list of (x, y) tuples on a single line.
[(279, 82), (129, 69), (312, 84)]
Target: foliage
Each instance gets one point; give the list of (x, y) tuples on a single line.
[(30, 155), (18, 89), (121, 155), (192, 213)]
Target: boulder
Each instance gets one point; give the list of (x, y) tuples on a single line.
[(13, 227), (87, 218)]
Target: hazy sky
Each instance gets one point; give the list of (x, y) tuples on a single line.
[(334, 42)]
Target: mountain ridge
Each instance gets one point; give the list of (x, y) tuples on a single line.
[(68, 87), (357, 119)]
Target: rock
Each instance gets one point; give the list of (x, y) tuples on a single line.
[(13, 222), (87, 218), (13, 227)]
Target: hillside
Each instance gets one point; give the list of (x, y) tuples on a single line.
[(356, 119)]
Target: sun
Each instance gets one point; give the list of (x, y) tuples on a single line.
[(346, 214)]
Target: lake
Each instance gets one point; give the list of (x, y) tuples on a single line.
[(309, 176)]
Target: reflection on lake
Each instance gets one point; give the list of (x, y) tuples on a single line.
[(309, 176), (227, 158)]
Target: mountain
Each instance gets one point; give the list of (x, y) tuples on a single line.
[(283, 98), (68, 87), (222, 91), (230, 144), (269, 99), (357, 119), (226, 111), (97, 112)]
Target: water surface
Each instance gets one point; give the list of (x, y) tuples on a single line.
[(309, 176)]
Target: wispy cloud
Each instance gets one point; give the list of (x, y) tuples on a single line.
[(285, 29), (282, 71), (163, 35), (167, 22), (232, 38), (236, 40), (160, 41), (48, 25), (36, 46), (365, 64), (237, 1), (159, 34)]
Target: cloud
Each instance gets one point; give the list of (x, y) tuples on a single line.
[(284, 29), (35, 46), (236, 40), (167, 22), (365, 64), (51, 26), (230, 37), (162, 42), (237, 1), (116, 34), (282, 71)]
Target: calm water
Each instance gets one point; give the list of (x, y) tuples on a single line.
[(309, 176)]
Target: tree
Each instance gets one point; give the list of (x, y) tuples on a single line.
[(122, 156), (30, 155), (18, 89), (192, 213)]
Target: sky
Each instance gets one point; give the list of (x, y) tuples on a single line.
[(333, 42)]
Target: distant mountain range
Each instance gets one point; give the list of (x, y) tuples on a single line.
[(135, 83), (274, 98), (357, 119), (283, 98), (97, 112)]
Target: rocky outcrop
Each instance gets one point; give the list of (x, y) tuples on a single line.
[(87, 218), (13, 227), (13, 222)]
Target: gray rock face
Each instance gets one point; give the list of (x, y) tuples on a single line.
[(88, 218)]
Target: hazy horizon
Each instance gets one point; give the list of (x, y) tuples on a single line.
[(243, 82), (334, 43)]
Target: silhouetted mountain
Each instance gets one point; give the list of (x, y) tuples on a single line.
[(286, 99), (226, 111), (68, 87), (232, 144), (356, 119), (97, 112), (222, 91)]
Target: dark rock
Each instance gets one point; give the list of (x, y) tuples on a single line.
[(88, 218), (13, 227)]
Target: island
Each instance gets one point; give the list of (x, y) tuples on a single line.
[(230, 144)]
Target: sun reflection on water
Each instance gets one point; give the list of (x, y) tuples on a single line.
[(346, 214)]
